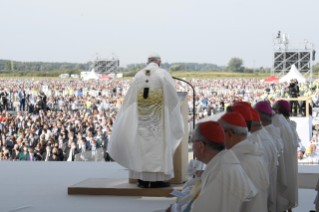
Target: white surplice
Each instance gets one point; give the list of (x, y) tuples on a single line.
[(147, 131), (225, 185), (288, 198), (272, 156), (250, 156), (294, 156), (281, 169)]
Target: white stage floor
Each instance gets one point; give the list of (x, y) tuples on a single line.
[(42, 187)]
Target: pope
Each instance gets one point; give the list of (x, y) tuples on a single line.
[(148, 127)]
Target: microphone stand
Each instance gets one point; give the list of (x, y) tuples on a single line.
[(194, 95)]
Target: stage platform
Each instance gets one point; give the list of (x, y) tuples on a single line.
[(43, 187), (119, 187)]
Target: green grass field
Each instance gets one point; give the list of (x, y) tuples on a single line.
[(221, 75), (216, 75), (198, 75), (39, 78)]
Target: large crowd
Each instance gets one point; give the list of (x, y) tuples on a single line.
[(61, 120)]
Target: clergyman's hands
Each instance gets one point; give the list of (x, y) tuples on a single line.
[(199, 173)]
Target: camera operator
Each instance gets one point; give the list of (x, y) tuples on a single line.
[(44, 101), (38, 105), (31, 103), (293, 93), (294, 88), (4, 102)]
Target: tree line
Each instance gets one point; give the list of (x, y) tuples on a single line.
[(54, 69), (8, 65)]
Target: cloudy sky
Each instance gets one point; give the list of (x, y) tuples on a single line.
[(210, 31)]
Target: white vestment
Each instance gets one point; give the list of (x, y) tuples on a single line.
[(250, 158), (288, 198), (294, 156), (147, 131), (281, 169), (225, 186), (272, 156)]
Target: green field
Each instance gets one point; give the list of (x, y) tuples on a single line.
[(39, 78), (198, 75), (217, 75), (221, 75)]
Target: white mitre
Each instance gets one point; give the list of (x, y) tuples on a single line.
[(154, 55)]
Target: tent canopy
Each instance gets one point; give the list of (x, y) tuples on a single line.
[(272, 79), (105, 77), (91, 75), (293, 74)]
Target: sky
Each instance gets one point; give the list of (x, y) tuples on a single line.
[(202, 31)]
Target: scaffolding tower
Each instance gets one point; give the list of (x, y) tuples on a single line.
[(286, 54), (106, 65)]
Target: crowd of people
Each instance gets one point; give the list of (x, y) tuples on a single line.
[(214, 95), (67, 125), (41, 115)]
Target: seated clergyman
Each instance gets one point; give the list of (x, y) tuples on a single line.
[(223, 178)]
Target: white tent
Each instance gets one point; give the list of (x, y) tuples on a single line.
[(91, 75), (293, 74)]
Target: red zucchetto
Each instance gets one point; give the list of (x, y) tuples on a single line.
[(235, 119), (243, 110), (255, 115), (213, 131)]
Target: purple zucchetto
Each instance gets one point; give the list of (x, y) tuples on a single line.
[(263, 107), (284, 104)]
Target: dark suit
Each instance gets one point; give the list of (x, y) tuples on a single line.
[(35, 157), (44, 103), (33, 142), (60, 155), (56, 159), (4, 100), (67, 154), (44, 156), (14, 155), (66, 145)]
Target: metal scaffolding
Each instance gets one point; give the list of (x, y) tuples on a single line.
[(286, 54), (106, 65)]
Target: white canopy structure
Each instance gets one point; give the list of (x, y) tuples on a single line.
[(91, 75), (293, 74)]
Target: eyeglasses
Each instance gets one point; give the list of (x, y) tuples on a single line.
[(191, 141)]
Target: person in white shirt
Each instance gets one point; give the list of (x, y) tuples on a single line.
[(74, 106), (311, 154)]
